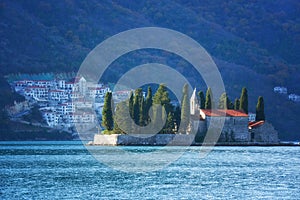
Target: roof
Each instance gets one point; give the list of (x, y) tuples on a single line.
[(255, 124), (223, 113), (76, 79)]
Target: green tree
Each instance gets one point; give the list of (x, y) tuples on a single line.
[(201, 99), (131, 104), (244, 101), (122, 119), (169, 126), (260, 109), (161, 97), (177, 116), (107, 113), (230, 105), (208, 99), (223, 101), (236, 104), (137, 103), (148, 104), (185, 109), (143, 114)]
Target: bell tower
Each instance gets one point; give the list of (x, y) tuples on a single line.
[(194, 105)]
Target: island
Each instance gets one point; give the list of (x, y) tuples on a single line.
[(193, 124)]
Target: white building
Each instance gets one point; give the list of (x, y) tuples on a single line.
[(280, 90), (251, 117), (36, 92), (71, 87), (43, 83), (80, 118), (294, 97), (82, 104), (194, 107), (122, 95), (65, 108), (58, 95), (97, 92), (51, 118), (74, 96), (61, 84)]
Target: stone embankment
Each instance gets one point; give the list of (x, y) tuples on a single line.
[(144, 139)]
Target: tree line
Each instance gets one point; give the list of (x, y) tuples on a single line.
[(136, 112), (240, 104)]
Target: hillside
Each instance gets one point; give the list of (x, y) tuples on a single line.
[(255, 44)]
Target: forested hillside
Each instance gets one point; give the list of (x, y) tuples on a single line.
[(254, 43)]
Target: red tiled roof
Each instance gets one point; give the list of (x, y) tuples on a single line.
[(223, 113), (255, 124)]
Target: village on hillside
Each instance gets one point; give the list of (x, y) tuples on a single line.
[(62, 102)]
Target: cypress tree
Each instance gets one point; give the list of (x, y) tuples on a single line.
[(177, 116), (143, 113), (260, 109), (161, 97), (148, 104), (244, 101), (169, 124), (137, 112), (236, 104), (208, 99), (223, 101), (230, 105), (201, 99), (131, 105), (107, 114), (185, 109), (122, 121)]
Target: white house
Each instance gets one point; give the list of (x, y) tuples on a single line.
[(251, 117), (51, 118), (294, 97), (58, 95), (36, 92), (122, 95), (98, 92), (71, 87), (80, 118), (65, 108), (81, 104), (43, 83), (61, 84), (280, 90), (80, 82)]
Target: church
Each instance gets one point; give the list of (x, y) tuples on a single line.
[(236, 125)]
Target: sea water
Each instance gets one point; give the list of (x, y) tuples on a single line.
[(66, 170)]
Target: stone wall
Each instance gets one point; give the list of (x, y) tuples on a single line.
[(264, 134), (235, 129), (144, 139)]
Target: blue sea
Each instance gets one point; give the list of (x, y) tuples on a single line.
[(67, 170)]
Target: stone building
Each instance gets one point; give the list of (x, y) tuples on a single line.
[(263, 132), (236, 127)]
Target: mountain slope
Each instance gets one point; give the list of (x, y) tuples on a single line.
[(253, 43)]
